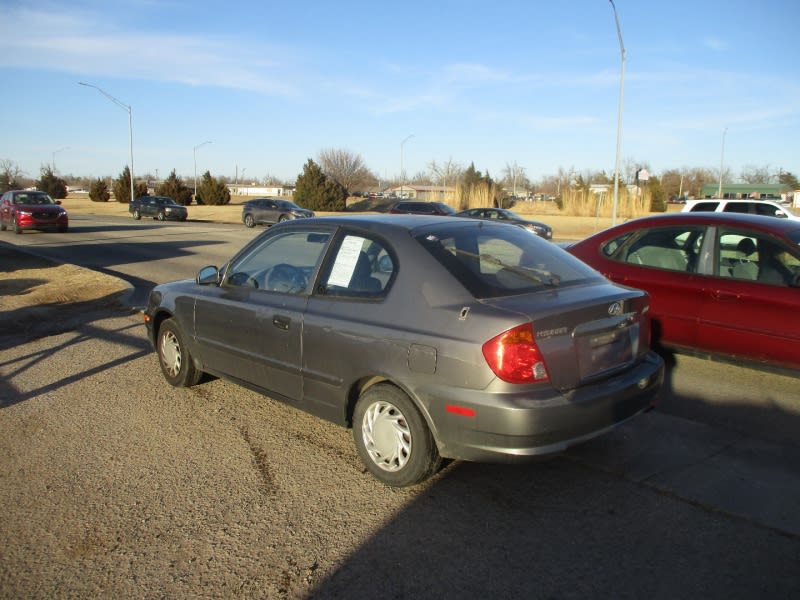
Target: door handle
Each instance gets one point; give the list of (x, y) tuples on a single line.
[(281, 322), (725, 296)]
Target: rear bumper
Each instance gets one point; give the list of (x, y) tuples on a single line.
[(516, 427)]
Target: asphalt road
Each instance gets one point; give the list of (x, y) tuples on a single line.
[(146, 253), (125, 486)]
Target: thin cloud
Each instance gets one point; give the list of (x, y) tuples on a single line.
[(70, 43)]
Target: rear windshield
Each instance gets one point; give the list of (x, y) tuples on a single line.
[(493, 260)]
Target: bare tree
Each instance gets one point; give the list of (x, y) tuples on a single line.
[(753, 174), (514, 178), (10, 174), (346, 167), (447, 172)]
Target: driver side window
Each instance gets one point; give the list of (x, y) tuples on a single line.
[(282, 263)]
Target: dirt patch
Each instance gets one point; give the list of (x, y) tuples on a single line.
[(27, 280)]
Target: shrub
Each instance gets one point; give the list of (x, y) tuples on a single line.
[(54, 186), (98, 191), (122, 187), (174, 188), (316, 191), (212, 192)]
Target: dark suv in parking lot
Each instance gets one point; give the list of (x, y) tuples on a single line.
[(416, 207)]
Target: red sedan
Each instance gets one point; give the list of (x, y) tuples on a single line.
[(721, 285)]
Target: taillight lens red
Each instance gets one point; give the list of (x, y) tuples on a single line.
[(514, 356)]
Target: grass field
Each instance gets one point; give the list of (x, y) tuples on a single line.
[(565, 227)]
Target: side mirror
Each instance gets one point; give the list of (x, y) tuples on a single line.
[(208, 276)]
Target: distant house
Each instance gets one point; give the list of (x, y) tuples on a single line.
[(759, 191), (258, 191), (432, 193)]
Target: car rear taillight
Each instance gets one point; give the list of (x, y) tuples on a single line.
[(514, 356)]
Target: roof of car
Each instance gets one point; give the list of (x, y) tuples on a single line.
[(710, 217), (386, 221)]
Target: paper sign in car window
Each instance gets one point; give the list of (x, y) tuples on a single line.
[(346, 260)]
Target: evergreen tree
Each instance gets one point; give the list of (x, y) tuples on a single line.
[(212, 192), (122, 187), (54, 186), (316, 191), (174, 187), (98, 191)]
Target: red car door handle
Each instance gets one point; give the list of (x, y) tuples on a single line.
[(725, 296)]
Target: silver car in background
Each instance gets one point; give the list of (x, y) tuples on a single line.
[(432, 337)]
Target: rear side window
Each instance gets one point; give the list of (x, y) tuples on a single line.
[(494, 260), (705, 206), (739, 207), (670, 248), (361, 267)]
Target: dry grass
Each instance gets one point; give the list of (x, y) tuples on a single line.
[(573, 223)]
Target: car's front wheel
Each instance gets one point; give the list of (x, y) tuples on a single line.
[(161, 216), (136, 214), (249, 221), (174, 358), (17, 228), (392, 438)]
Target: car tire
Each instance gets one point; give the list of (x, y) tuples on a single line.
[(392, 438), (136, 214), (282, 218), (161, 216), (176, 362), (63, 228), (249, 221), (17, 228), (3, 227)]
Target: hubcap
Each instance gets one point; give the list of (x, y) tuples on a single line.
[(386, 436), (171, 354)]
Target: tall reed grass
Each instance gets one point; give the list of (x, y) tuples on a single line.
[(574, 202), (582, 203)]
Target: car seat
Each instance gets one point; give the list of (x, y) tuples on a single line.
[(743, 266)]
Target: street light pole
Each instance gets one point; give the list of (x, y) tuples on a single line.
[(619, 116), (721, 158), (130, 121), (402, 172), (195, 167)]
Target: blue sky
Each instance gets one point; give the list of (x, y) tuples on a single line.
[(271, 84)]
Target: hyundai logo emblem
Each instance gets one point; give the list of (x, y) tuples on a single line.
[(615, 309)]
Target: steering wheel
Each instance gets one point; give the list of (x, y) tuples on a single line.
[(285, 278), (243, 279)]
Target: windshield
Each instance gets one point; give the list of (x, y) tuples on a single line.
[(494, 260), (35, 199)]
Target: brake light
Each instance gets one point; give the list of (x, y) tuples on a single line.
[(514, 356)]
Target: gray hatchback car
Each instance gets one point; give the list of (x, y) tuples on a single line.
[(432, 337)]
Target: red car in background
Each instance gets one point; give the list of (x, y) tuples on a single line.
[(721, 285), (32, 209)]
